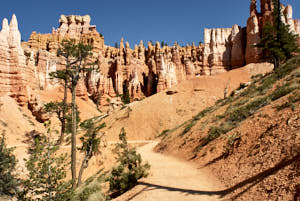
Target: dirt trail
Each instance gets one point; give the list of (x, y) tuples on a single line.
[(171, 179)]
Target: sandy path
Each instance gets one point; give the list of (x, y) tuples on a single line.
[(172, 180)]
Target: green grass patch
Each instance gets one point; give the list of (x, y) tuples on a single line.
[(250, 91), (281, 91), (267, 83), (92, 190), (295, 97), (204, 112), (243, 112), (196, 118), (214, 133), (241, 102), (163, 133), (188, 127)]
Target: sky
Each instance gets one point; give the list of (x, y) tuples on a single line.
[(135, 20)]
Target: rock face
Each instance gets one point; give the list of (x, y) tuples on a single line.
[(143, 71), (257, 21), (223, 49), (234, 47), (13, 74)]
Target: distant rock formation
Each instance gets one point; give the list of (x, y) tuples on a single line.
[(145, 71), (234, 47), (257, 21), (13, 72)]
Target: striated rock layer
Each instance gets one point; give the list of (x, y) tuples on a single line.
[(141, 71)]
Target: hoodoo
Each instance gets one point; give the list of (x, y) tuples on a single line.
[(26, 67)]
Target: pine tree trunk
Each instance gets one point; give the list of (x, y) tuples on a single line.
[(73, 144), (83, 166), (63, 123)]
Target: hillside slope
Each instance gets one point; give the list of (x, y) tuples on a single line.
[(147, 118), (142, 120), (251, 140)]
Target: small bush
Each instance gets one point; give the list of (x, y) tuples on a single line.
[(46, 178), (91, 190), (213, 133), (163, 133), (204, 112), (199, 116), (87, 192), (281, 91), (287, 68), (295, 97), (241, 102), (188, 128), (250, 91), (243, 112), (219, 101), (130, 169), (8, 162), (267, 83)]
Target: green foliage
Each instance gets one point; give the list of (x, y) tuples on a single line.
[(59, 74), (204, 112), (251, 91), (243, 112), (163, 133), (87, 192), (199, 116), (69, 121), (242, 105), (130, 168), (241, 102), (8, 180), (90, 140), (125, 96), (46, 172), (75, 56), (188, 127), (58, 108), (215, 132), (90, 144), (91, 189), (292, 99), (281, 91), (278, 42)]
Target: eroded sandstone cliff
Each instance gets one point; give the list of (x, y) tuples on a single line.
[(142, 71)]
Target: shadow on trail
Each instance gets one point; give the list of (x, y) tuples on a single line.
[(252, 181)]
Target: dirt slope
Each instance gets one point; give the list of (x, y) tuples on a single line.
[(147, 118), (172, 180), (142, 120), (250, 141)]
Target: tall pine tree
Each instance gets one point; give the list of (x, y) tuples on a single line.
[(8, 162), (278, 41)]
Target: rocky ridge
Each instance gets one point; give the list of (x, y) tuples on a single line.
[(25, 67)]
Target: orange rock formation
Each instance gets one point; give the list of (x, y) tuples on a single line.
[(25, 67)]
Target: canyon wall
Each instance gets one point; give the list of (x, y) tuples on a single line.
[(142, 71)]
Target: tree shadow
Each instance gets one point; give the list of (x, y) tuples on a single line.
[(252, 181)]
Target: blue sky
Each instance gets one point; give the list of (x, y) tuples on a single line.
[(135, 20)]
